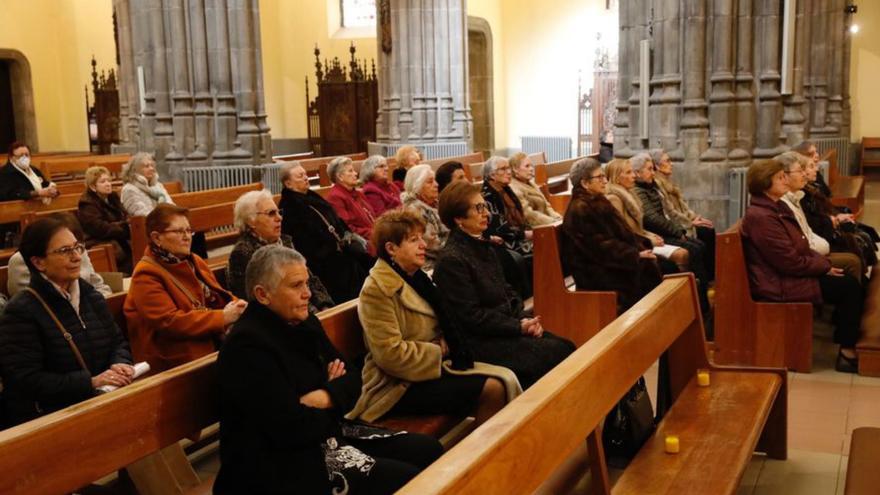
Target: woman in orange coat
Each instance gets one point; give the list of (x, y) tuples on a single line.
[(176, 310)]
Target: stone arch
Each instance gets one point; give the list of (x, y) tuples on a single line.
[(481, 83), (22, 97)]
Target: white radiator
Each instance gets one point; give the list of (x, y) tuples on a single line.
[(842, 146), (556, 148)]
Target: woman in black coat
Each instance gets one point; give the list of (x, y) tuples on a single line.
[(18, 180), (284, 390), (335, 254), (41, 371), (490, 312), (598, 248), (103, 218)]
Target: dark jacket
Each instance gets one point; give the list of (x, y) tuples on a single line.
[(102, 220), (269, 442), (342, 272), (655, 219), (244, 249), (514, 236), (601, 252), (780, 263), (818, 210), (14, 185), (40, 371)]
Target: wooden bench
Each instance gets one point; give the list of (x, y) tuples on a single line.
[(71, 167), (202, 219), (868, 346), (720, 426), (101, 256), (862, 475), (756, 333), (870, 156), (577, 315), (846, 190), (555, 174)]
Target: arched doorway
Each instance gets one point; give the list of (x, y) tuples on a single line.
[(480, 80), (17, 116)]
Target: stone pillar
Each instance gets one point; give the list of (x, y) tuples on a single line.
[(129, 101), (622, 129), (836, 37), (666, 77), (795, 111), (423, 92), (202, 81), (768, 29)]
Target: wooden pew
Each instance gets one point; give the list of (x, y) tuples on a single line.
[(201, 219), (71, 167), (862, 475), (868, 346), (313, 165), (102, 257), (555, 174), (846, 190), (294, 156), (576, 315), (756, 333), (720, 426)]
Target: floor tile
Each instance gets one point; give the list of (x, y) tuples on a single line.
[(804, 473), (750, 477)]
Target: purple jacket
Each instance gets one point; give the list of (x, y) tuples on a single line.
[(781, 265), (382, 197), (353, 209)]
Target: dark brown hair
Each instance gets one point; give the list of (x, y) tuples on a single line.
[(36, 237), (15, 145), (160, 218), (444, 173), (760, 175), (393, 226), (455, 201)]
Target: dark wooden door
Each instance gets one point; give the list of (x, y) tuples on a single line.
[(7, 116)]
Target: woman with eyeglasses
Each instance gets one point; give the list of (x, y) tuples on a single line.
[(175, 311), (258, 220), (489, 311), (42, 370), (598, 248)]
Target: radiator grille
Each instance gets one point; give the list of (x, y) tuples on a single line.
[(429, 151), (557, 148), (842, 146), (202, 178), (739, 194)]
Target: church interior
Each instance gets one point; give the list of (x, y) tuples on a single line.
[(432, 246)]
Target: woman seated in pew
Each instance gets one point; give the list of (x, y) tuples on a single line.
[(284, 389), (18, 180), (142, 190), (479, 299), (258, 220), (448, 173), (336, 255), (536, 208), (19, 274), (782, 267), (421, 196), (598, 248), (380, 192), (507, 218), (406, 158), (348, 201), (418, 360), (103, 218), (175, 311), (59, 342)]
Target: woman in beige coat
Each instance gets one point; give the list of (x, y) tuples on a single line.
[(536, 208), (416, 363)]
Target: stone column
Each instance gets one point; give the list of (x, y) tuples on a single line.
[(721, 80), (768, 30), (836, 37), (795, 111), (423, 92), (129, 101), (666, 76), (622, 129)]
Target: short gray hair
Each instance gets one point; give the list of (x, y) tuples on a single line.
[(789, 158), (638, 161), (490, 166), (415, 179), (336, 165), (368, 168), (582, 169), (265, 265), (133, 167), (246, 207), (284, 171)]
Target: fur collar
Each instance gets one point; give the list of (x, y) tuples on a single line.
[(391, 284), (631, 203)]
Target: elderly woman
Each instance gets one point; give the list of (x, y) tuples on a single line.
[(472, 284), (507, 218), (59, 341), (406, 158), (258, 221), (18, 180), (283, 391), (381, 193), (448, 173), (176, 311), (409, 335), (19, 274), (103, 218), (337, 255), (782, 267), (535, 206), (142, 190), (421, 196), (349, 202), (598, 247)]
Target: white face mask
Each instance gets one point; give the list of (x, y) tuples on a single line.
[(24, 162)]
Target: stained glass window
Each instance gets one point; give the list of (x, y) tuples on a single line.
[(358, 13)]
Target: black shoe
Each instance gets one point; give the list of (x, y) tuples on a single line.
[(846, 365)]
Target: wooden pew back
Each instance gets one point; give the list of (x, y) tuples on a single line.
[(201, 219), (313, 165), (209, 197), (11, 211)]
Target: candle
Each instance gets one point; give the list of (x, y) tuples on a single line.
[(672, 444), (703, 378)]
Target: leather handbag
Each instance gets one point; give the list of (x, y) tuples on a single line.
[(628, 426)]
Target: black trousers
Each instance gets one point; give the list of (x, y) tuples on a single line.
[(848, 298), (707, 236), (398, 459)]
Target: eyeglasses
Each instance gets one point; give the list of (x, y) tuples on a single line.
[(599, 177), (503, 169), (180, 232), (273, 213), (78, 248), (481, 207)]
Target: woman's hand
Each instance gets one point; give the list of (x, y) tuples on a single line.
[(318, 399), (647, 254), (335, 369), (123, 369), (494, 239), (845, 218), (531, 326), (111, 377), (835, 272), (656, 240), (232, 312), (529, 235)]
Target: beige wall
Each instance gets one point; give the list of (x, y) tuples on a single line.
[(58, 37), (865, 71)]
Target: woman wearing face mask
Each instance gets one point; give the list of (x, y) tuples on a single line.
[(18, 180)]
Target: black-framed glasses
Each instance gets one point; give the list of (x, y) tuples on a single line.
[(273, 213), (599, 177), (180, 232), (78, 248), (481, 207)]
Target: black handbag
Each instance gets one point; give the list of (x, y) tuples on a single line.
[(628, 426)]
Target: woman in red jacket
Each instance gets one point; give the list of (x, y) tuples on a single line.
[(782, 267), (349, 202)]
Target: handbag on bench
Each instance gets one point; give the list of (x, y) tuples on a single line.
[(628, 426)]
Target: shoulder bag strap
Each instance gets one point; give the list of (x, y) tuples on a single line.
[(330, 227), (67, 336), (193, 300)]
